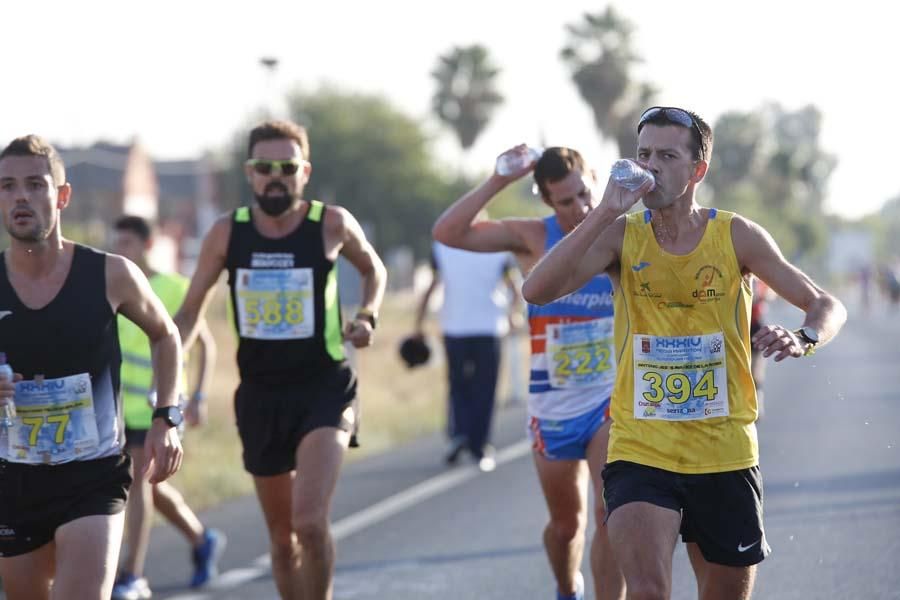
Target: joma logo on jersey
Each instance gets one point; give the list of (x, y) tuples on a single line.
[(639, 267)]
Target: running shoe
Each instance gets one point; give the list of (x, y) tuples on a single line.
[(206, 557), (129, 587), (579, 589)]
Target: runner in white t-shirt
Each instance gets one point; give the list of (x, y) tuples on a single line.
[(475, 315)]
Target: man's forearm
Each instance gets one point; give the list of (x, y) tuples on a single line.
[(166, 356), (187, 327), (556, 274), (207, 349), (373, 284), (453, 224), (826, 316), (422, 309)]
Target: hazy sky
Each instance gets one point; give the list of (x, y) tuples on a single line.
[(183, 76)]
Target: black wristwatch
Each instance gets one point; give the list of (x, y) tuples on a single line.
[(808, 336), (170, 414), (369, 317)]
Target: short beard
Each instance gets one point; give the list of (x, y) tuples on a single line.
[(275, 206)]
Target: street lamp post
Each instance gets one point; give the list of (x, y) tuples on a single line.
[(270, 64)]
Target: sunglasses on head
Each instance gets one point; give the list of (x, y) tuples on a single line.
[(678, 116), (674, 115), (267, 167)]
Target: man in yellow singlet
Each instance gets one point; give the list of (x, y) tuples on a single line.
[(683, 453)]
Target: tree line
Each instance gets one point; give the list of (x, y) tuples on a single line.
[(369, 156)]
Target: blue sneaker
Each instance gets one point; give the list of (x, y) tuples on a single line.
[(579, 589), (129, 587), (206, 557)]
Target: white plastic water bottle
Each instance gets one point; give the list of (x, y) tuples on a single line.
[(9, 410), (631, 175), (513, 161)]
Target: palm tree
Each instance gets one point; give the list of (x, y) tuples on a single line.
[(599, 55), (466, 94)]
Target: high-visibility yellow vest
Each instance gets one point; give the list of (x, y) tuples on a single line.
[(137, 366)]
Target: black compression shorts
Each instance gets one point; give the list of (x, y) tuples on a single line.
[(273, 418), (721, 512), (37, 499)]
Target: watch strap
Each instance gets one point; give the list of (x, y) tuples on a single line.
[(164, 413), (810, 345)]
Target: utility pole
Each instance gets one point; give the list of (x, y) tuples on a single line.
[(270, 64)]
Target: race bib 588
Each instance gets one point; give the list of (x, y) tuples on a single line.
[(275, 304)]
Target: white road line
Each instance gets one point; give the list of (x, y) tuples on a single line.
[(367, 517)]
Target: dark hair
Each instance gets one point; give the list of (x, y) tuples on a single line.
[(35, 145), (137, 225), (554, 165), (701, 135), (279, 130)]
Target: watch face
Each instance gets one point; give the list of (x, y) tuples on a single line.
[(175, 416), (811, 335), (170, 414)]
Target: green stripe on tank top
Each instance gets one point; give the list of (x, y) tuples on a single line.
[(334, 341), (242, 214), (315, 211)]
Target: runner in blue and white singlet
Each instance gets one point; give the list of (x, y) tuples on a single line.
[(572, 364)]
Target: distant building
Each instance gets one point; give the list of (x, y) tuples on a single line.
[(110, 180)]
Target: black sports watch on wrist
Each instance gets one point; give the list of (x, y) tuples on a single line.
[(808, 336), (170, 414)]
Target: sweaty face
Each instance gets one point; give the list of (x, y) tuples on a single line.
[(666, 152), (28, 197), (275, 192), (130, 245), (571, 199)]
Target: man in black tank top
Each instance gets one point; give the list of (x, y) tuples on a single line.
[(294, 403), (63, 473)]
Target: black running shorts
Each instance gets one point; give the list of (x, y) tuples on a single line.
[(273, 418), (36, 499), (721, 512)]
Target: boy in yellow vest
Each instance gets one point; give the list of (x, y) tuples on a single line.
[(133, 239), (683, 452)]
